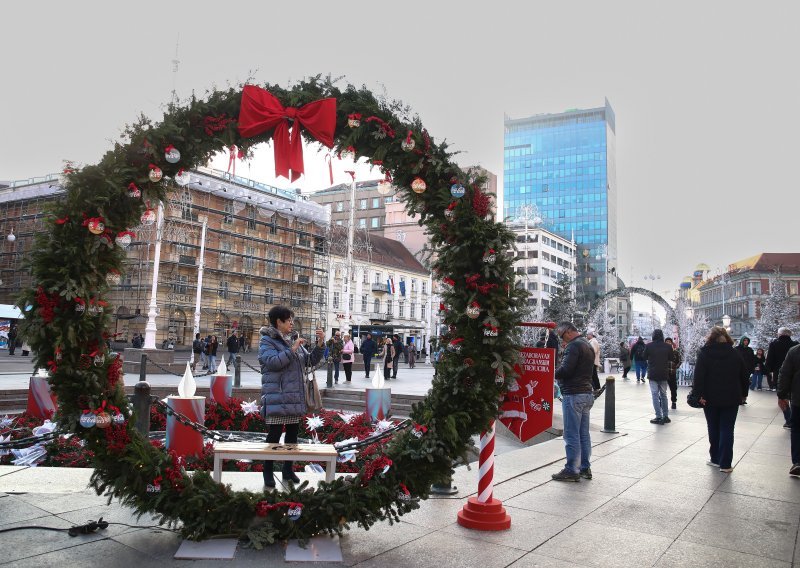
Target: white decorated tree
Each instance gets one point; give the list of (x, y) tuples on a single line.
[(693, 329), (777, 311), (605, 329)]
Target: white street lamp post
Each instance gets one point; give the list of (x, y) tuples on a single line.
[(150, 329)]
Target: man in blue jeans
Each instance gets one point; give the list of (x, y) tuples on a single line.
[(574, 376)]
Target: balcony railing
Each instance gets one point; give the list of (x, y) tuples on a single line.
[(380, 287)]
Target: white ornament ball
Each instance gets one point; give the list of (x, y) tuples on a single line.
[(123, 241), (408, 145), (88, 420), (384, 187), (419, 185), (155, 175), (173, 156), (148, 217)]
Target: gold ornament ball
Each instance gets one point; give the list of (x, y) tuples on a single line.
[(353, 122), (408, 145), (103, 420), (419, 185), (96, 227), (473, 311), (155, 175)]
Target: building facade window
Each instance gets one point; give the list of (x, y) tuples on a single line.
[(401, 309), (227, 218), (376, 306), (269, 296), (340, 206), (376, 202), (362, 204), (247, 294), (223, 289), (336, 297), (389, 307), (375, 222), (411, 310), (363, 303), (424, 288), (423, 311)]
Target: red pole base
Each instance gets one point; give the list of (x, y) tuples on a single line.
[(490, 516)]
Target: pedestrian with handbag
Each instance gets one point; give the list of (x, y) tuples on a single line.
[(721, 385), (388, 358), (283, 390), (347, 357)]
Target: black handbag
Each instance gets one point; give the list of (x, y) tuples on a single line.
[(693, 400)]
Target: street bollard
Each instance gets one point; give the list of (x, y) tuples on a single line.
[(329, 378), (143, 368), (237, 371), (141, 406), (609, 423)]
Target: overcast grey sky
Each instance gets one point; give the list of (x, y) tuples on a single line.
[(705, 93)]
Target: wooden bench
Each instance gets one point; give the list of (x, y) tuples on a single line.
[(275, 452)]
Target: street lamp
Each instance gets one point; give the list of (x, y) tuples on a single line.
[(652, 278)]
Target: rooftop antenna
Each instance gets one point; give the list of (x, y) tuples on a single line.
[(175, 63)]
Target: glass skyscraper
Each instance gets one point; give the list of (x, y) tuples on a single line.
[(564, 164)]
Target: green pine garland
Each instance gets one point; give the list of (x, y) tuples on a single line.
[(70, 265)]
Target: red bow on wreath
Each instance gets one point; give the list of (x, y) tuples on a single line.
[(261, 111)]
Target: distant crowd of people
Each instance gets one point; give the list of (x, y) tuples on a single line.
[(724, 375)]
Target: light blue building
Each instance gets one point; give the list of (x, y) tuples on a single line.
[(565, 165)]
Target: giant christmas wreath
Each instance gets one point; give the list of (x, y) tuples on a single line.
[(73, 262)]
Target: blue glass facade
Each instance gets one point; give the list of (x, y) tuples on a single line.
[(565, 165)]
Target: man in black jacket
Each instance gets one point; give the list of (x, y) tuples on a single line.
[(789, 397), (574, 376), (639, 360), (368, 349), (233, 347), (778, 348), (658, 355), (674, 365)]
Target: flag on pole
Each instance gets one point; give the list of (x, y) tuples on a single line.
[(402, 287)]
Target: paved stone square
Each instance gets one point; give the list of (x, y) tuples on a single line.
[(653, 502)]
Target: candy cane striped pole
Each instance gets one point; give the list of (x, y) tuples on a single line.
[(483, 512), (486, 466)]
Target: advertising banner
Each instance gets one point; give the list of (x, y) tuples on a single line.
[(527, 409)]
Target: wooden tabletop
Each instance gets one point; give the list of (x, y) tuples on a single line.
[(275, 449)]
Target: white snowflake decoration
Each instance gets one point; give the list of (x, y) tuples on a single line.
[(250, 407)]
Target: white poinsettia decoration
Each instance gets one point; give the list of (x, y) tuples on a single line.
[(347, 416), (45, 428), (383, 425), (250, 407), (314, 422), (346, 456), (5, 421), (4, 439)]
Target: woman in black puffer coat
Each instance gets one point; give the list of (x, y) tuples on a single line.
[(721, 383)]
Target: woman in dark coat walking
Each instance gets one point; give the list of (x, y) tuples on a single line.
[(283, 390), (721, 383)]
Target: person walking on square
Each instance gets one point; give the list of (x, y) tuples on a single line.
[(335, 346), (283, 391), (747, 354), (388, 357), (674, 364), (758, 371), (639, 359), (776, 353), (625, 359), (574, 376), (596, 347), (211, 353), (412, 355), (368, 350), (197, 351), (658, 354), (789, 396), (12, 339), (721, 384), (347, 357), (398, 350), (233, 348)]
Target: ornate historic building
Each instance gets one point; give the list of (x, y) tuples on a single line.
[(263, 246)]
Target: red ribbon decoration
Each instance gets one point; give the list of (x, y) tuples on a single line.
[(261, 111), (352, 174)]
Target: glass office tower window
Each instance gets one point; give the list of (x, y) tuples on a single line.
[(565, 165)]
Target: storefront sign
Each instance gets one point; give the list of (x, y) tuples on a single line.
[(242, 305)]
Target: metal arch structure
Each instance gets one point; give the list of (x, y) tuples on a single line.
[(626, 291)]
